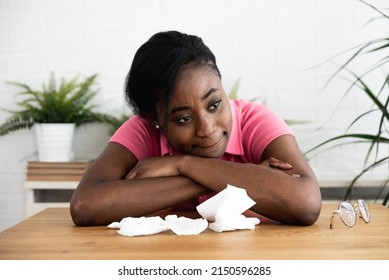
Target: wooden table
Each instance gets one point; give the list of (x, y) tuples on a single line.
[(51, 234)]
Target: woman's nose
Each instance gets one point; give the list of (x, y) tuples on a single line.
[(205, 127)]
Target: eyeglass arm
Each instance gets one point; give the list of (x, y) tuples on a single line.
[(332, 218)]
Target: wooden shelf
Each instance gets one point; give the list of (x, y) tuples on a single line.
[(45, 194), (51, 184)]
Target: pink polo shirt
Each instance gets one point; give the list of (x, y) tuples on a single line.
[(254, 127)]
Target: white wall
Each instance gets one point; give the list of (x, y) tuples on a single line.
[(269, 45)]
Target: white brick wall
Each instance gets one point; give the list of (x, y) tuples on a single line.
[(268, 44)]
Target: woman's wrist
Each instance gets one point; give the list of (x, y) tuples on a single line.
[(183, 163)]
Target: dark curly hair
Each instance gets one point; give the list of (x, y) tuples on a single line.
[(156, 65)]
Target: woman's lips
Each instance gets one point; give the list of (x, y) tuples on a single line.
[(208, 147)]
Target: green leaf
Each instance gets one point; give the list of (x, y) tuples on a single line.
[(15, 123), (369, 137), (70, 102), (364, 171)]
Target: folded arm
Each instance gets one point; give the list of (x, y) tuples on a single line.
[(289, 195), (279, 194), (117, 185), (104, 195)]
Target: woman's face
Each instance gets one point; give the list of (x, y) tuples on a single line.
[(200, 120)]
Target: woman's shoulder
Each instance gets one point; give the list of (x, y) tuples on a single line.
[(137, 123), (139, 136), (252, 115)]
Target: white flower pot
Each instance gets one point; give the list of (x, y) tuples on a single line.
[(54, 141)]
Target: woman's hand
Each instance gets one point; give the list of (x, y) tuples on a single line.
[(278, 164), (168, 166), (155, 167)]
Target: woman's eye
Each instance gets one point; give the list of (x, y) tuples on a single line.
[(184, 120), (215, 105)]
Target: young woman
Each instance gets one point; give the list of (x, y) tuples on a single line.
[(188, 140)]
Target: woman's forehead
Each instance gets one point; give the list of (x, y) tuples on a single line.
[(195, 83)]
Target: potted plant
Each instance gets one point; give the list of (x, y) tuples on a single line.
[(54, 112), (378, 94)]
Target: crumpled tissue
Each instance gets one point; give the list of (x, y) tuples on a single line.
[(234, 222), (151, 225), (186, 226), (224, 210), (140, 226)]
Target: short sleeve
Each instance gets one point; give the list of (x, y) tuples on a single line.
[(260, 126), (138, 136)]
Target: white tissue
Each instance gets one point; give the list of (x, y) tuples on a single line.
[(225, 210), (233, 223), (186, 226), (151, 225), (140, 226)]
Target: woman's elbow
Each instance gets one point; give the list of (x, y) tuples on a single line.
[(79, 212), (310, 209)]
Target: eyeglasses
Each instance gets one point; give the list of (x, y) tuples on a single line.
[(349, 213)]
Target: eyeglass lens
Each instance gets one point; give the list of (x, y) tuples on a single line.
[(347, 213), (363, 209)]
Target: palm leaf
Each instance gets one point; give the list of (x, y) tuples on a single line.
[(379, 100), (375, 164), (374, 8), (371, 95), (368, 137)]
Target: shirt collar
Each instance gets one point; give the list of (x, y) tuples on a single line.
[(234, 145)]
